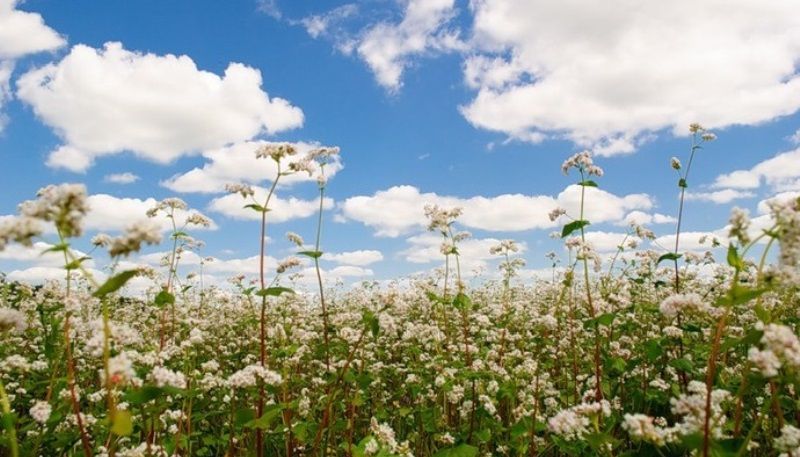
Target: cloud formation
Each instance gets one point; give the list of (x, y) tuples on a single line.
[(110, 100)]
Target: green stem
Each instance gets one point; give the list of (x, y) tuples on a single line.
[(11, 427)]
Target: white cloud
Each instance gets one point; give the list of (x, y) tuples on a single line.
[(608, 73), (608, 241), (781, 172), (357, 258), (795, 137), (121, 178), (719, 196), (270, 8), (109, 213), (237, 163), (689, 241), (281, 210), (37, 254), (23, 33), (740, 179), (110, 100), (320, 24), (387, 47), (400, 209), (473, 252), (642, 218), (41, 274)]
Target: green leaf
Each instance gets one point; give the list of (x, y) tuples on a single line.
[(763, 314), (60, 247), (572, 226), (179, 234), (164, 298), (75, 264), (462, 450), (682, 183), (312, 254), (587, 183), (122, 424), (256, 207), (682, 364), (733, 258), (669, 256), (143, 395), (274, 291), (606, 319), (739, 294), (114, 283), (264, 422), (371, 321), (462, 301)]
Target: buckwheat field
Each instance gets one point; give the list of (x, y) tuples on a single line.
[(399, 228)]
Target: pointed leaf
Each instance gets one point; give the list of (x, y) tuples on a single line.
[(669, 256), (274, 291), (122, 424), (572, 226), (114, 283)]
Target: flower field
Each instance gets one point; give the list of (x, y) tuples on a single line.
[(647, 353)]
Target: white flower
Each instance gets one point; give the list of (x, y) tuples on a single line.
[(40, 411), (12, 320), (142, 232)]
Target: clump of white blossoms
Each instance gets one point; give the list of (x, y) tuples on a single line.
[(20, 230), (64, 205), (40, 411), (164, 377), (249, 376), (12, 320), (739, 223), (138, 233), (573, 423), (242, 189), (786, 214), (582, 161), (642, 427), (789, 441), (781, 347), (682, 304), (287, 264), (441, 218), (691, 407)]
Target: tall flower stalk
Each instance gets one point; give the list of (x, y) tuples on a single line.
[(586, 167), (699, 136)]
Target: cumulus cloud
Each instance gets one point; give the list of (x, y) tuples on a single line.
[(425, 248), (400, 209), (642, 218), (106, 101), (318, 25), (109, 213), (719, 196), (781, 172), (23, 33), (608, 241), (121, 178), (387, 47), (606, 75), (237, 163), (40, 274), (281, 209), (356, 258), (38, 254)]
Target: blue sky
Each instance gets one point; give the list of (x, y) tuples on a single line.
[(471, 104)]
